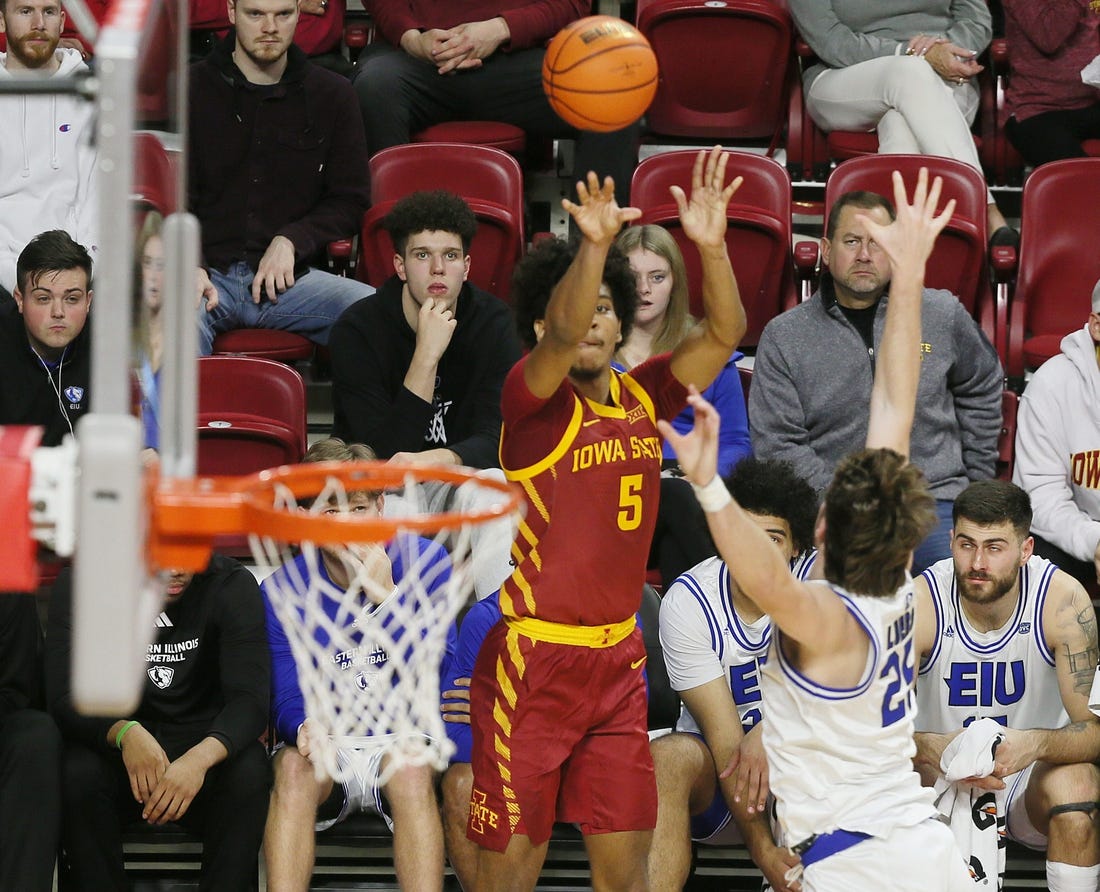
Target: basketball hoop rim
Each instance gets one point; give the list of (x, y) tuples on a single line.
[(190, 513)]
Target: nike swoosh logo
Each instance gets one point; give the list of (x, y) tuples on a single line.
[(590, 423), (637, 663)]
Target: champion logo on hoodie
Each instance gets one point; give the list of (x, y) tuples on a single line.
[(65, 128)]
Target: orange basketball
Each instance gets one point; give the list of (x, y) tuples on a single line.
[(599, 73)]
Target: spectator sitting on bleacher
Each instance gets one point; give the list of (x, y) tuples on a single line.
[(714, 640), (680, 538), (47, 155), (30, 752), (300, 800), (45, 349), (277, 171), (191, 752), (816, 364), (417, 369), (490, 55), (1051, 109), (906, 67), (1058, 452)]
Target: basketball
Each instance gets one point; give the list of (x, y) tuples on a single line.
[(599, 73)]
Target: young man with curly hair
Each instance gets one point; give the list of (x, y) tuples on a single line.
[(417, 368)]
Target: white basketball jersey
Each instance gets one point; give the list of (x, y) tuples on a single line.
[(1006, 674), (703, 638), (841, 758)]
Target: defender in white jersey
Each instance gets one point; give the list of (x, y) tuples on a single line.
[(838, 682), (714, 640), (1006, 635)]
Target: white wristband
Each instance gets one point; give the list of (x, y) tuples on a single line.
[(714, 496)]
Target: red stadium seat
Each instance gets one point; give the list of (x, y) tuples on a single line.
[(758, 234), (252, 415), (958, 262), (1059, 263), (488, 179), (264, 343), (725, 67), (494, 134), (155, 173)]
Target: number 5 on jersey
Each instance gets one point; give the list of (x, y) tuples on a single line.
[(630, 502)]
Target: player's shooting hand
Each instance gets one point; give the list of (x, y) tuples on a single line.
[(703, 215), (275, 272), (751, 768), (176, 791), (435, 325), (310, 737), (457, 709), (597, 214), (909, 240), (697, 450), (205, 290), (145, 762)]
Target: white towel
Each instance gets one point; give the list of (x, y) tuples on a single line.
[(977, 817)]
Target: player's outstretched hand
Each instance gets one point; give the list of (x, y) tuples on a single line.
[(909, 240), (697, 450), (703, 215), (457, 707), (596, 213)]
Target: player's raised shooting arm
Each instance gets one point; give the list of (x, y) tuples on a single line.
[(907, 242), (573, 300), (702, 354)]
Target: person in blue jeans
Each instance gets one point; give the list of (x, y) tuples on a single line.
[(277, 170)]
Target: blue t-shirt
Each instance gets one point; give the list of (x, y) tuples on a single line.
[(406, 553)]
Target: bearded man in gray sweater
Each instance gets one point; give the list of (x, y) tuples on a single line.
[(811, 391)]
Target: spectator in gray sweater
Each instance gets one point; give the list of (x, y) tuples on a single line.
[(815, 365)]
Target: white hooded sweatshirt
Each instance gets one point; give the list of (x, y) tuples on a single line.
[(1058, 447), (47, 160)]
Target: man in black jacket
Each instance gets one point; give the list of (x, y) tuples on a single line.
[(417, 368), (44, 347), (277, 170), (191, 752)]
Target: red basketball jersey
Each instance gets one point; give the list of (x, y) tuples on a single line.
[(591, 477)]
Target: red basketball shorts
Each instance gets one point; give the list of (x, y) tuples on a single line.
[(559, 733)]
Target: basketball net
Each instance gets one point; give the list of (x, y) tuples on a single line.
[(367, 619)]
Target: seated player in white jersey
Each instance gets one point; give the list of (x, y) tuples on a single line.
[(714, 640), (300, 802), (838, 681), (1004, 634)]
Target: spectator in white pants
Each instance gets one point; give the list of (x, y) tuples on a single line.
[(907, 67)]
